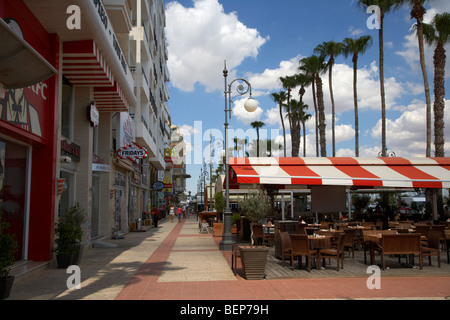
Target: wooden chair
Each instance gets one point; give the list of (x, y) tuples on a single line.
[(399, 244), (379, 225), (300, 246), (258, 236), (432, 247), (285, 241), (423, 230), (349, 242), (235, 254), (441, 230), (368, 243), (302, 228), (335, 253)]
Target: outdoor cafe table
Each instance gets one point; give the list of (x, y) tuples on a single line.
[(319, 242)]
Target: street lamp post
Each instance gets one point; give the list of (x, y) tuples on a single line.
[(251, 105)]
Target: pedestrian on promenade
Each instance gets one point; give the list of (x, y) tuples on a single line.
[(179, 213), (172, 213), (155, 213)]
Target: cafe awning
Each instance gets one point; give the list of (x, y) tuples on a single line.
[(20, 64), (350, 172)]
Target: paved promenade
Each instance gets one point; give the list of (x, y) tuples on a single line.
[(175, 262)]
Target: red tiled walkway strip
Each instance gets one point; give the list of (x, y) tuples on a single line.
[(147, 276)]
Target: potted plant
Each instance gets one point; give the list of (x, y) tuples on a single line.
[(8, 245), (255, 207), (234, 219), (219, 206), (68, 237)]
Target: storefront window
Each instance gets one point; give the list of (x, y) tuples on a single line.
[(13, 187)]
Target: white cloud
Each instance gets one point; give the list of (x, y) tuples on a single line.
[(269, 80), (200, 38), (406, 135)]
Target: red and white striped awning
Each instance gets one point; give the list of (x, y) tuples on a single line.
[(110, 99), (351, 172), (84, 66)]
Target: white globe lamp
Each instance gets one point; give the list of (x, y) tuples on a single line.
[(251, 105)]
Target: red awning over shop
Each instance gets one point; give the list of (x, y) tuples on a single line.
[(351, 172), (84, 65)]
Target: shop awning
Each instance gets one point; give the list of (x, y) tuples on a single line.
[(110, 99), (20, 64), (350, 172), (84, 65)]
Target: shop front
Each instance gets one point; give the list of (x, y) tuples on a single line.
[(28, 123)]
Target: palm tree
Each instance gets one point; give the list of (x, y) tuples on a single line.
[(280, 98), (331, 50), (418, 12), (315, 66), (290, 83), (385, 7), (293, 112), (438, 33), (356, 47), (257, 125), (239, 144), (303, 117)]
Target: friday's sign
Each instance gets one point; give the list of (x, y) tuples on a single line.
[(132, 152)]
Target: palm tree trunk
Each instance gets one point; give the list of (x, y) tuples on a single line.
[(257, 141), (333, 120), (426, 84), (304, 138), (284, 128), (382, 90), (316, 114), (439, 102), (355, 101), (322, 122)]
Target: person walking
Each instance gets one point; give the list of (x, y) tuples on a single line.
[(155, 213), (172, 213), (179, 213)]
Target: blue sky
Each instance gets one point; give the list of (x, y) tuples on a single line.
[(265, 39)]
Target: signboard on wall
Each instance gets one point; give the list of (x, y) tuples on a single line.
[(126, 128), (27, 108), (328, 199), (132, 152)]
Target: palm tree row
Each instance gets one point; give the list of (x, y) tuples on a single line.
[(311, 69)]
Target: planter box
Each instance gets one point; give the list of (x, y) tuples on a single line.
[(218, 229), (254, 262), (5, 287)]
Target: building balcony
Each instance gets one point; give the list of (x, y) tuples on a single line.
[(144, 138), (119, 11)]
